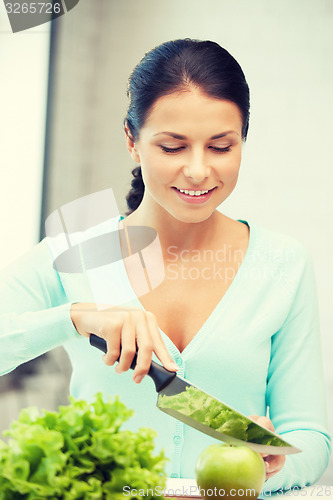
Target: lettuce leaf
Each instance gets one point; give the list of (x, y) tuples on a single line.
[(209, 411), (78, 452)]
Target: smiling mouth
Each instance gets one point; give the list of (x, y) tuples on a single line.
[(194, 193)]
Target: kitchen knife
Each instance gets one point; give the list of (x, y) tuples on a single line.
[(168, 383)]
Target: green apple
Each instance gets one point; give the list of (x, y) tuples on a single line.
[(235, 472)]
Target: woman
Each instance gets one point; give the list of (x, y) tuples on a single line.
[(236, 313)]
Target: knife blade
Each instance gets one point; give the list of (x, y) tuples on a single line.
[(175, 395)]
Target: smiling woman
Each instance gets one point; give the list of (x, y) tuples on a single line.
[(244, 327)]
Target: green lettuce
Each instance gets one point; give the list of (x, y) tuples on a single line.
[(78, 452), (207, 410)]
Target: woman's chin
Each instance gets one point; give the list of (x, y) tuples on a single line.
[(191, 216)]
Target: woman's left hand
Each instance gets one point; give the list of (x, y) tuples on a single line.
[(273, 463)]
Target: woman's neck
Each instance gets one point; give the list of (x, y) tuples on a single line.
[(175, 233)]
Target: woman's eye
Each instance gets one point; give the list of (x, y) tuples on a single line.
[(221, 150), (171, 150), (180, 148)]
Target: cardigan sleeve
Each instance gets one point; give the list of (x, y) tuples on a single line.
[(295, 385), (34, 311)]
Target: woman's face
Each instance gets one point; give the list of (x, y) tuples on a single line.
[(190, 153)]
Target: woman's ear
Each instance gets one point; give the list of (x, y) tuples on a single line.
[(131, 144)]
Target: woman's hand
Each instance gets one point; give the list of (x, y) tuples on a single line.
[(124, 330), (273, 463)]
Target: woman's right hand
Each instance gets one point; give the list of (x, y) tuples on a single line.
[(125, 330), (273, 463)]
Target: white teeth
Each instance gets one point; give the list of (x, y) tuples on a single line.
[(192, 193)]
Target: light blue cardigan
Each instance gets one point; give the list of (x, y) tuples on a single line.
[(259, 348)]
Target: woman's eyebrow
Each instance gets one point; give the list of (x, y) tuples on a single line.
[(183, 137)]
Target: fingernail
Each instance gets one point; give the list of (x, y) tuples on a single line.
[(138, 379)]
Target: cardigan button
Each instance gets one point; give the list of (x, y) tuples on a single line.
[(177, 439)]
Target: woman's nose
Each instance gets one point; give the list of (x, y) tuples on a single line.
[(196, 168)]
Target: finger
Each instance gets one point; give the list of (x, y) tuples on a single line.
[(159, 346), (257, 419), (110, 331), (128, 345), (145, 347), (264, 422), (274, 464)]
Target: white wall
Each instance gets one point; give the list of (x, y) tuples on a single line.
[(23, 87)]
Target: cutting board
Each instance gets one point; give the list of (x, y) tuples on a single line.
[(181, 489)]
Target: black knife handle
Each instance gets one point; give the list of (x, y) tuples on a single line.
[(160, 375)]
